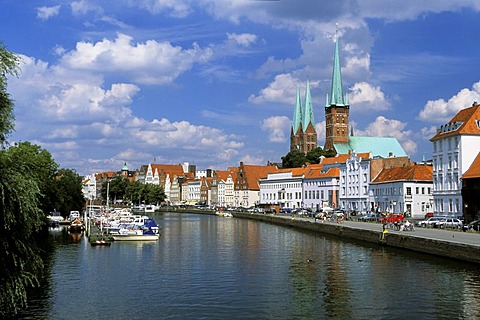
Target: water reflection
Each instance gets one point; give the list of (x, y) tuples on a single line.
[(216, 268)]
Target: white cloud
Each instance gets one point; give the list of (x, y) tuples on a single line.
[(244, 39), (411, 9), (282, 89), (151, 62), (442, 111), (383, 127), (45, 13), (253, 160), (277, 127), (366, 97), (83, 7), (77, 114), (320, 128), (175, 8)]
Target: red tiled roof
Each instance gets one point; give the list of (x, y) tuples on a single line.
[(223, 175), (474, 170), (254, 173), (409, 173), (469, 118), (171, 169)]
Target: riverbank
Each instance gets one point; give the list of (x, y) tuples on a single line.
[(451, 244)]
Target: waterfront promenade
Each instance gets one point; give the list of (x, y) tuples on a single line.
[(454, 244)]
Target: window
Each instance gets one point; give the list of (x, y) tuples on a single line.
[(416, 190), (409, 191)]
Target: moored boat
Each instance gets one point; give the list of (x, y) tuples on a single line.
[(135, 233), (76, 226), (100, 242)]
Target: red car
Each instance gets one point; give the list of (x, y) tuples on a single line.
[(428, 215), (392, 218)]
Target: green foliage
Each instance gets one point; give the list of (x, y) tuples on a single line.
[(41, 167), (20, 219), (296, 159), (137, 192), (69, 195), (293, 159), (116, 188), (8, 66)]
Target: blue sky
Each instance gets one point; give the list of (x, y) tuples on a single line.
[(212, 82)]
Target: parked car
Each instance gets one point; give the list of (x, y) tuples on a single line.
[(372, 216), (474, 225), (428, 215), (430, 222), (392, 218), (450, 223)]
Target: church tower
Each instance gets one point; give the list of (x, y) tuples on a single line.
[(303, 136), (337, 107), (309, 132), (296, 133)]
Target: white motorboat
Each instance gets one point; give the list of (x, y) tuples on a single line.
[(135, 233)]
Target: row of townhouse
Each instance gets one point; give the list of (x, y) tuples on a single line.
[(344, 182), (369, 181)]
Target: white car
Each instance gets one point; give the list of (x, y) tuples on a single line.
[(450, 223), (430, 222)]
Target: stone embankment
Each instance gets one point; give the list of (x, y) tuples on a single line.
[(451, 244)]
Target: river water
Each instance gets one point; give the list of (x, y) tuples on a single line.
[(209, 267)]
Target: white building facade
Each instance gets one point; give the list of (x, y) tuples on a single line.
[(283, 189), (354, 184), (455, 146)]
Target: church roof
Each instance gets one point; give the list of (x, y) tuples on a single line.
[(379, 146)]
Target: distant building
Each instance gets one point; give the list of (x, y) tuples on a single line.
[(455, 147), (303, 135), (247, 189)]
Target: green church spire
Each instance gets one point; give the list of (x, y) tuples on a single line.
[(297, 113), (336, 91), (308, 109)]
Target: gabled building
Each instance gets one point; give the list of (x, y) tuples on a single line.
[(406, 189), (246, 188), (205, 190), (455, 147), (220, 179), (303, 135)]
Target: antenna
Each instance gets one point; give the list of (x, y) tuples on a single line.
[(336, 31)]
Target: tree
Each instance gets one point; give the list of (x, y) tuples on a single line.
[(116, 188), (42, 168), (296, 159), (313, 156), (8, 66), (20, 213), (68, 186), (293, 159)]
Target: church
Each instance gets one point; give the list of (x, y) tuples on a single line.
[(338, 137)]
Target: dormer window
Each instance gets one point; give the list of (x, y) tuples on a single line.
[(478, 123)]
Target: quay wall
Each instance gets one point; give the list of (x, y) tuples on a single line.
[(449, 249)]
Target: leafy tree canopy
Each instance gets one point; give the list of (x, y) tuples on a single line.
[(296, 159)]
